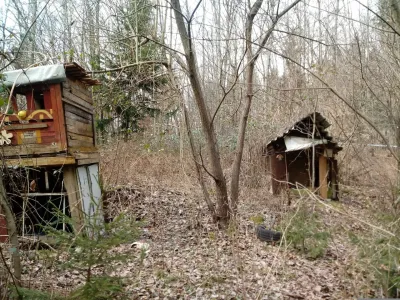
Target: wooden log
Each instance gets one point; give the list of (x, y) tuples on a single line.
[(43, 194)]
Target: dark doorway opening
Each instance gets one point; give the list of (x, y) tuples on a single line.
[(38, 199)]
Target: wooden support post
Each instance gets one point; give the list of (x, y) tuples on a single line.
[(75, 206), (323, 177), (334, 179), (3, 227)]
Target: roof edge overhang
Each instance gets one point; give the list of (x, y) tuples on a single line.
[(319, 121), (47, 74)]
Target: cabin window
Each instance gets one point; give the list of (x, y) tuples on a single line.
[(34, 99), (39, 100), (3, 101), (22, 103)]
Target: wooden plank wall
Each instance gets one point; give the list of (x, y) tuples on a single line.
[(78, 111)]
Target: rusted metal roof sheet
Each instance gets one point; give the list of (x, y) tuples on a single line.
[(321, 125)]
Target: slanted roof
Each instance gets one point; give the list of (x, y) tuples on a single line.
[(47, 74), (304, 127), (75, 71)]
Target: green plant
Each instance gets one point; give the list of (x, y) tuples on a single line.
[(257, 219), (91, 248), (382, 254), (30, 294), (306, 233), (99, 288)]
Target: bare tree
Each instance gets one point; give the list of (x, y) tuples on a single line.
[(184, 25)]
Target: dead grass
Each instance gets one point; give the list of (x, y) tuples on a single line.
[(250, 269), (191, 258), (132, 163)]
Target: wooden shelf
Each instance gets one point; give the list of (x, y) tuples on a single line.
[(41, 161), (43, 194)]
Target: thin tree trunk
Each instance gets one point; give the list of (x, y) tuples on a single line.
[(12, 230), (249, 97), (251, 60), (208, 127), (33, 32)]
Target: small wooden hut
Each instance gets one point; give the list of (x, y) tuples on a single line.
[(47, 138), (290, 157)]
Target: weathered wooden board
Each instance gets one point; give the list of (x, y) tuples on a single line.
[(74, 117), (71, 102), (323, 177), (83, 149), (74, 136), (93, 171), (30, 149), (76, 100), (41, 161), (26, 126), (80, 128), (79, 94), (77, 85), (87, 155), (77, 143), (72, 188), (87, 161), (78, 111), (58, 113)]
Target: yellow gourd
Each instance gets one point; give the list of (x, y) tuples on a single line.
[(22, 114)]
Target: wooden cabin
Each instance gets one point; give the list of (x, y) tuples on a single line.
[(290, 158), (47, 136)]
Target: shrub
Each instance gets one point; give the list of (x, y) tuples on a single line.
[(306, 233), (93, 247)]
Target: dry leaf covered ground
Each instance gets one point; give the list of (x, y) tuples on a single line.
[(188, 257)]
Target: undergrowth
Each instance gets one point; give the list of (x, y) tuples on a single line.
[(89, 252), (306, 232), (380, 251)]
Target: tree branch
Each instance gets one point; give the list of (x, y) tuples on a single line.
[(380, 17), (26, 34), (347, 103), (165, 64)]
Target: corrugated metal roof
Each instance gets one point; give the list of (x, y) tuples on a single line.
[(321, 123)]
